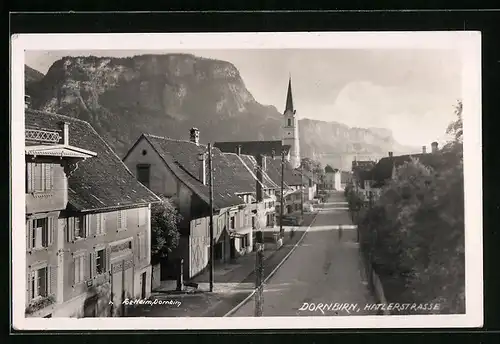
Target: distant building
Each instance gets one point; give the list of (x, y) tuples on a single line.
[(87, 222)]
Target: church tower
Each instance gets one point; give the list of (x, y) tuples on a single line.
[(291, 128)]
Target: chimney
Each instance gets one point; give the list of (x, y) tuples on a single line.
[(390, 154), (259, 193), (194, 135), (238, 150), (27, 101), (434, 146), (424, 149), (203, 169), (65, 130)]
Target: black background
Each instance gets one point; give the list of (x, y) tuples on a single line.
[(486, 21)]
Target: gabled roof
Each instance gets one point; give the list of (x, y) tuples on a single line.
[(251, 164), (291, 176), (100, 182), (254, 148), (182, 159)]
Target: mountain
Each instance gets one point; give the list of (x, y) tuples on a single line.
[(166, 95), (31, 77)]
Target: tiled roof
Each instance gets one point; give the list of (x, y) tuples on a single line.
[(383, 169), (182, 158), (99, 182), (291, 176), (253, 148), (251, 164)]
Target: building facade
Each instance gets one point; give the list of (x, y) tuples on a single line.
[(178, 170), (87, 222)]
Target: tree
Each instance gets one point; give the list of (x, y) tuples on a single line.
[(164, 228), (455, 128)]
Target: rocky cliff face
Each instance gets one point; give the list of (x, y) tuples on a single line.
[(168, 94)]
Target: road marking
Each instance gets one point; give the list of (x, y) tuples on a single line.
[(235, 309)]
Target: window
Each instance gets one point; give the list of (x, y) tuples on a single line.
[(40, 233), (122, 220), (289, 122), (100, 224), (79, 228), (233, 222), (39, 285), (99, 262), (39, 177), (79, 262), (253, 221), (244, 241), (143, 172)]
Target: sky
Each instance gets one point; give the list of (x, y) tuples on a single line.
[(410, 92)]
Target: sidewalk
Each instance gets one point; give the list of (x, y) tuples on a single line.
[(232, 282)]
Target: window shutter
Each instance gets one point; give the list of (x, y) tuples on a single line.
[(124, 219), (71, 229), (29, 279), (29, 234), (29, 177), (86, 223), (51, 229), (92, 264), (47, 176), (103, 223), (107, 259), (72, 269), (52, 280)]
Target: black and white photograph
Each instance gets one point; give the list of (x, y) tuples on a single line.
[(277, 180)]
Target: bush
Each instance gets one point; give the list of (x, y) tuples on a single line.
[(415, 233), (164, 228)]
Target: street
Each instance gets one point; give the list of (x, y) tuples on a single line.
[(323, 276)]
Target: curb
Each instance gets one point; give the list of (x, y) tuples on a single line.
[(232, 311)]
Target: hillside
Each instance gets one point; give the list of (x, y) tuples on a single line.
[(168, 94)]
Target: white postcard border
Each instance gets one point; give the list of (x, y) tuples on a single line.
[(465, 42)]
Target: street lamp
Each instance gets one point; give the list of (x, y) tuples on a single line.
[(201, 157)]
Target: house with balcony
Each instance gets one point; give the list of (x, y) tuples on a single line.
[(87, 222), (178, 170)]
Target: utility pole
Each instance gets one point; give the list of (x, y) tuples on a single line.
[(282, 203), (259, 272), (301, 190), (210, 181), (259, 260)]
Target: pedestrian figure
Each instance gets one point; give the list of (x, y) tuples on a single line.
[(292, 232), (340, 232)]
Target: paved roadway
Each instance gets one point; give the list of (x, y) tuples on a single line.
[(323, 276)]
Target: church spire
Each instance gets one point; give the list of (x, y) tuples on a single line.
[(289, 100)]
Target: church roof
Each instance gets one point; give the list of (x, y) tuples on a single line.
[(289, 98)]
